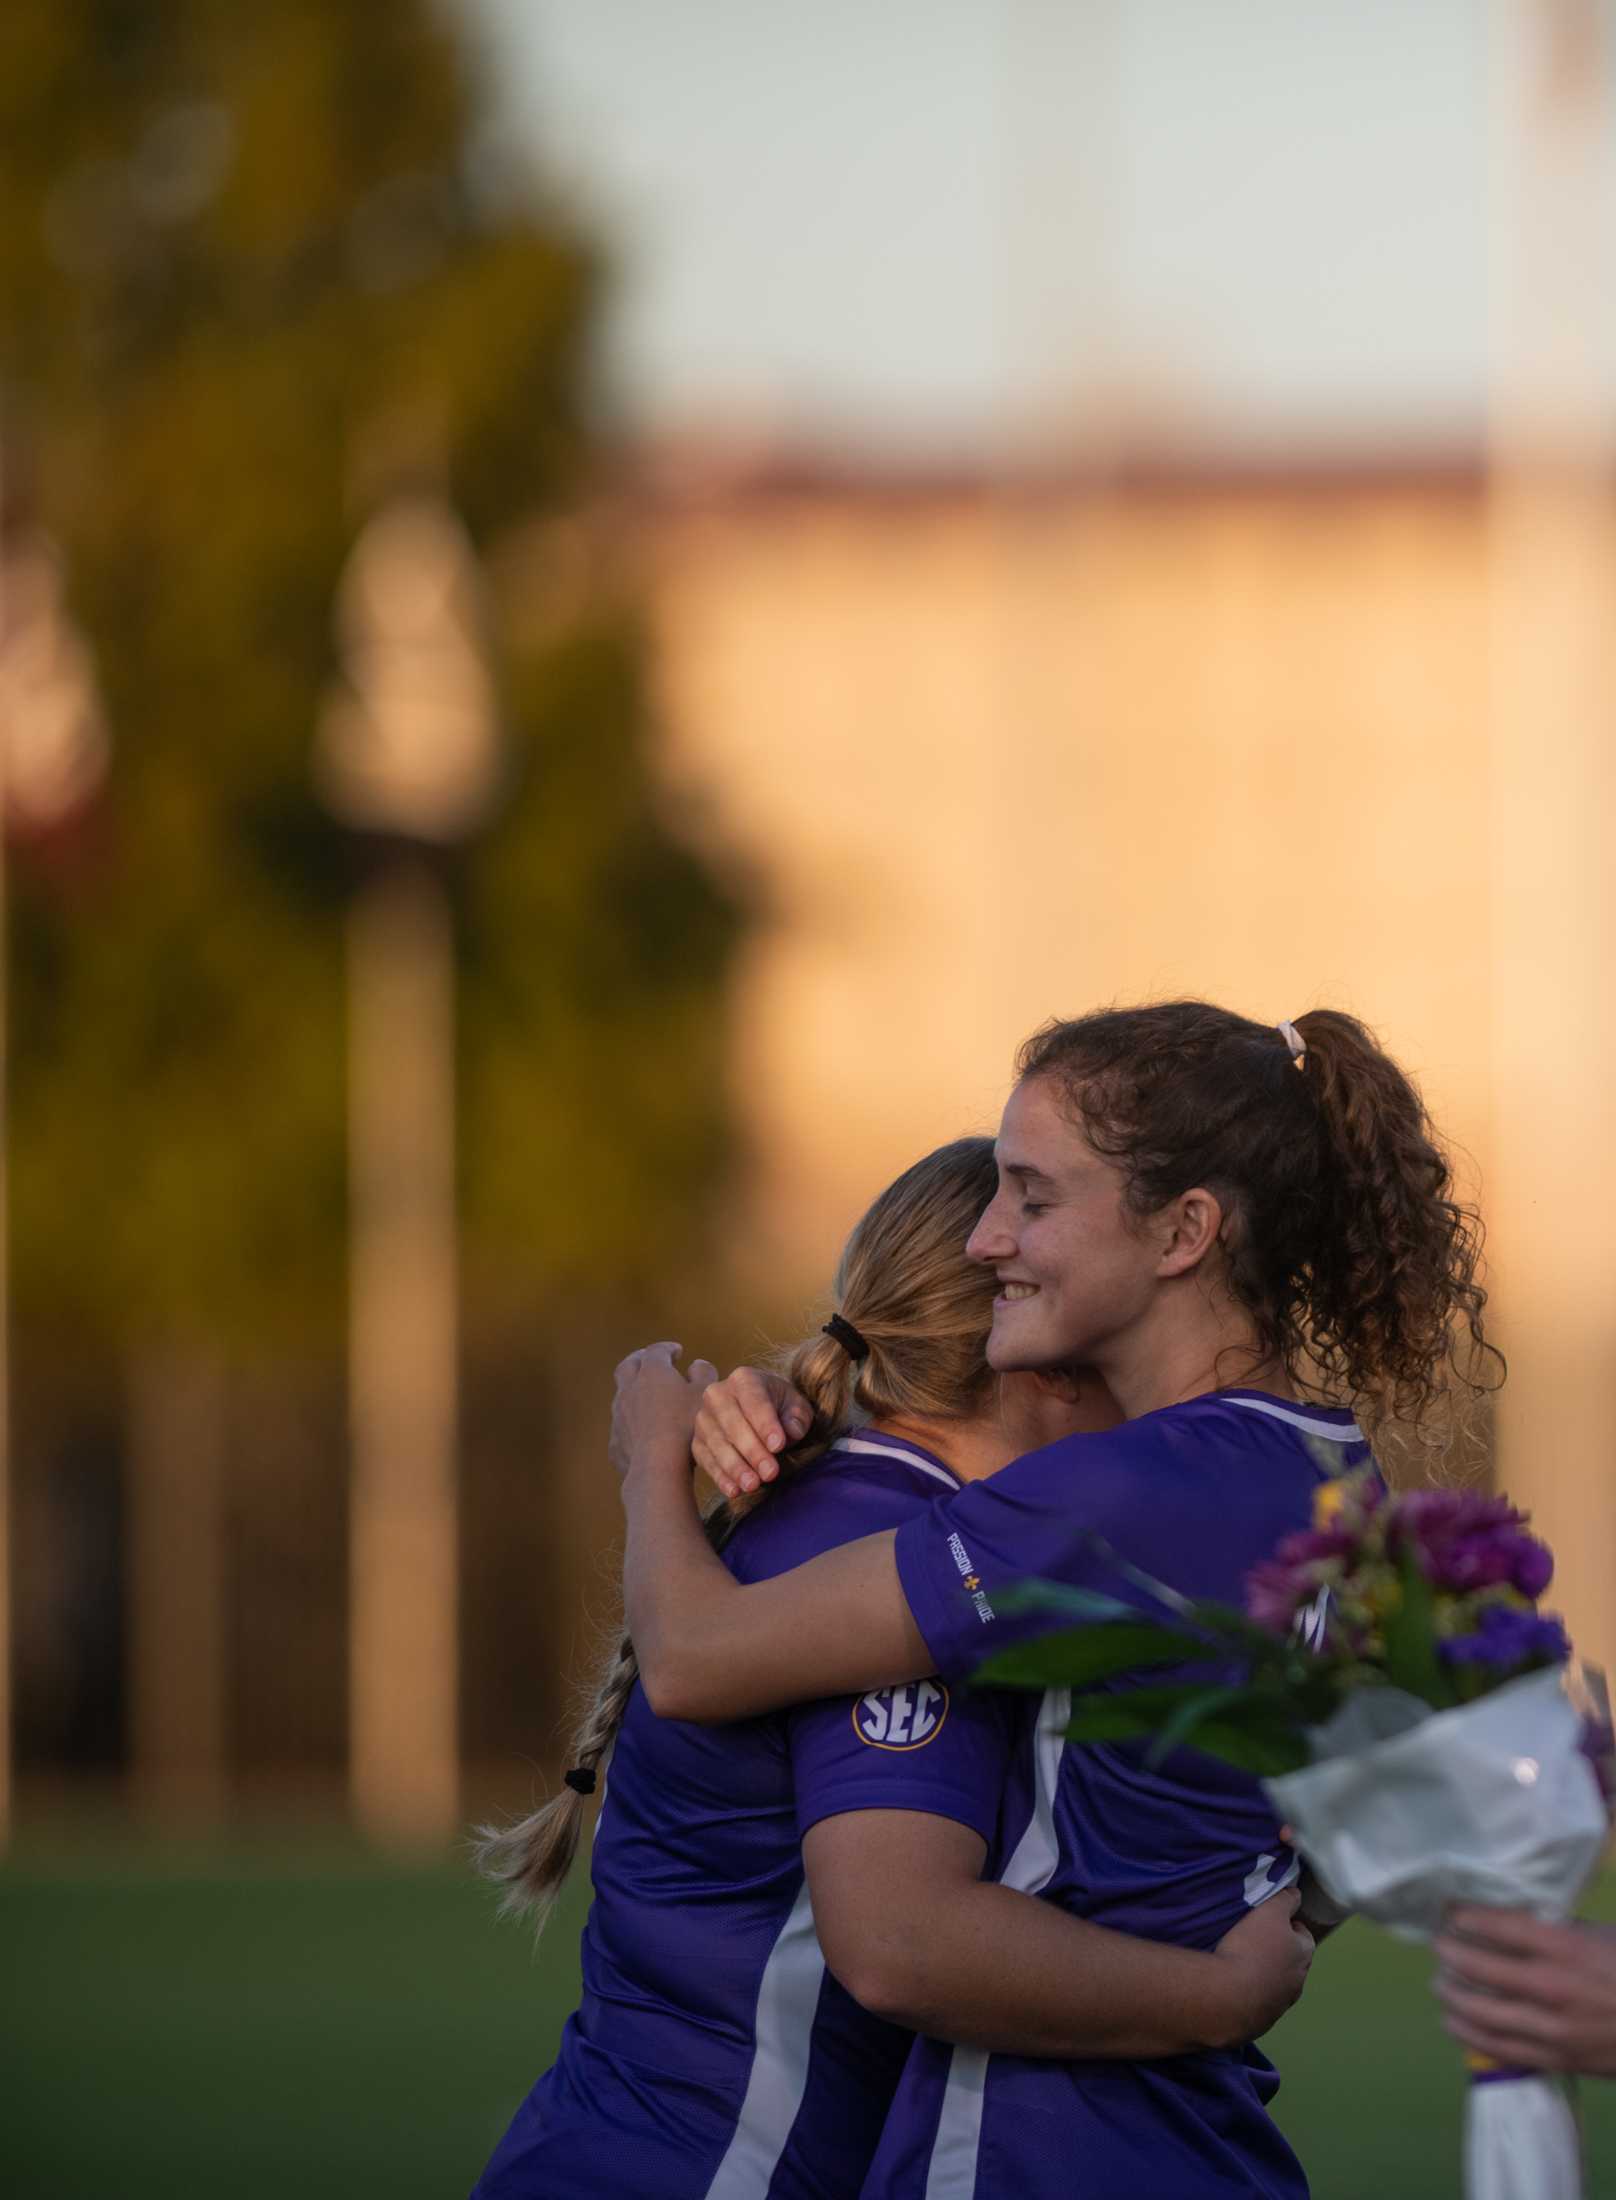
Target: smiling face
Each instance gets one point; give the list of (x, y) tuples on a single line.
[(1075, 1272)]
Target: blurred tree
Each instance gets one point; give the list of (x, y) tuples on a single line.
[(253, 261)]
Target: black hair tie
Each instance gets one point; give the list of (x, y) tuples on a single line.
[(855, 1346), (581, 1779)]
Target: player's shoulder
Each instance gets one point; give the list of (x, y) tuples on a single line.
[(867, 1482), (1258, 1422), (1177, 1443)]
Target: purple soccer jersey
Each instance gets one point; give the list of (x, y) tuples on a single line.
[(1194, 1495), (712, 2055)]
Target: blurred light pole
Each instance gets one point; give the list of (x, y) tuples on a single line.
[(1554, 782), (408, 756), (53, 752)]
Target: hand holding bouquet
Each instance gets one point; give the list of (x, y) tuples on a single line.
[(1396, 1686)]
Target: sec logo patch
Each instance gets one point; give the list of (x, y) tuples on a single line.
[(907, 1717)]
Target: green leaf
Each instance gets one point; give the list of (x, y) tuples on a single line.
[(1409, 1633), (1172, 1598), (1316, 1696), (1251, 1732), (1127, 1715), (1231, 1625), (1266, 1750), (1057, 1597), (1181, 1724), (1078, 1657)]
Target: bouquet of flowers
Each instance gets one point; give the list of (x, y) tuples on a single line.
[(1393, 1682)]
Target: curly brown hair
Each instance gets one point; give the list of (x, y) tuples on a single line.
[(1344, 1240)]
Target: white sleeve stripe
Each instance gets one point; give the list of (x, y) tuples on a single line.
[(1332, 1431), (788, 2002), (952, 2175)]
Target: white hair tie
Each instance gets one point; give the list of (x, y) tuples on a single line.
[(1294, 1040)]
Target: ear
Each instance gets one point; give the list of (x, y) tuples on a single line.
[(1058, 1382), (1188, 1228), (1084, 1394)]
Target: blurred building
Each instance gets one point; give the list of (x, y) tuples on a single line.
[(1000, 754), (1004, 751)]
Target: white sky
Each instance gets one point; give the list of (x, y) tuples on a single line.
[(925, 222)]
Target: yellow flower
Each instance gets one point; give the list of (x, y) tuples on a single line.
[(1329, 1502), (1380, 1592)]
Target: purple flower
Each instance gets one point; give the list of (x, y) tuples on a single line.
[(1278, 1585), (1534, 1567), (1466, 1541), (1309, 1545), (1273, 1592), (1507, 1639)]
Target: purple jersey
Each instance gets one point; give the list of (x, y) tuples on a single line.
[(712, 2054), (1195, 1495)]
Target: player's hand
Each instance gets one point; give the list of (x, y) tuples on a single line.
[(1318, 1911), (1539, 1997), (654, 1408), (742, 1422), (1267, 1955)]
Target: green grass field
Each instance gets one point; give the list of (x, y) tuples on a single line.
[(300, 2031)]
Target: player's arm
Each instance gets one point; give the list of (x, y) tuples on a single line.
[(916, 1935), (710, 1647)]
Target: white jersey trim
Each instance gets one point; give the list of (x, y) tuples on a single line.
[(1260, 1882), (787, 2003), (954, 2151), (865, 1449), (1309, 1424)]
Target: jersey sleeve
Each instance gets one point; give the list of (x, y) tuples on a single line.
[(923, 1746), (1045, 1516)]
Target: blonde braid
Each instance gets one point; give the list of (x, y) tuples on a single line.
[(531, 1859)]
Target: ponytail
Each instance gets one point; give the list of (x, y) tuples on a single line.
[(1393, 1307)]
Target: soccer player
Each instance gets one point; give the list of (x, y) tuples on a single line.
[(1220, 1217), (713, 2053)]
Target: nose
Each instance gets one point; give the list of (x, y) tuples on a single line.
[(991, 1240)]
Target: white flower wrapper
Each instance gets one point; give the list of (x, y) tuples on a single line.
[(1409, 1810)]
